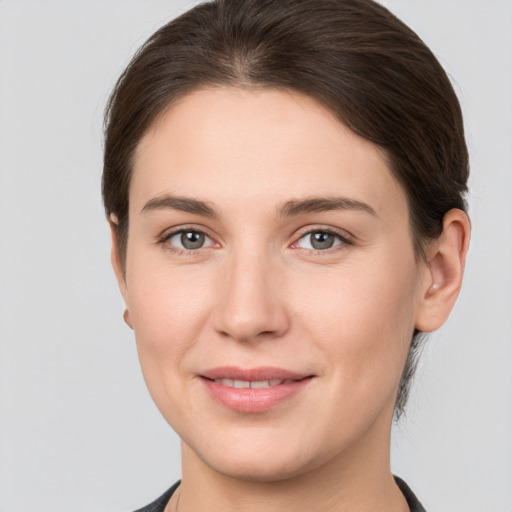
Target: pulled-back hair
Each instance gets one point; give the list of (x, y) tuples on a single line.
[(353, 56)]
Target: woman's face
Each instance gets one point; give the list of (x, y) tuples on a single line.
[(271, 282)]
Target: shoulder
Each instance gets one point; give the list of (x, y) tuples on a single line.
[(159, 504)]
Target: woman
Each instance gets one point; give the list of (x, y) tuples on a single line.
[(284, 183)]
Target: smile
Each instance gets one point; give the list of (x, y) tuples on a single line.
[(254, 390), (256, 384)]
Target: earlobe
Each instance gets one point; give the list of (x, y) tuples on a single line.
[(127, 318), (446, 258)]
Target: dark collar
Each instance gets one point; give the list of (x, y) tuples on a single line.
[(412, 501), (160, 504)]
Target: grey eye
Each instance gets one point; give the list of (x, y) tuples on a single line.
[(319, 240), (192, 239), (189, 240)]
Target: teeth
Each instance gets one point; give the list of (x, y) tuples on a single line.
[(241, 384), (245, 384), (263, 384)]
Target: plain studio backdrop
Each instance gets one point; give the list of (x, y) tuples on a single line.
[(78, 430)]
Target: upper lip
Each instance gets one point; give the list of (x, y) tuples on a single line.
[(261, 373)]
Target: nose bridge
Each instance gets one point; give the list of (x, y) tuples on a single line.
[(251, 306)]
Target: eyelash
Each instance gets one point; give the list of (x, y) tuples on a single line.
[(345, 239), (166, 237)]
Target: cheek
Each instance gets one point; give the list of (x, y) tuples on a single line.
[(364, 320), (169, 309)]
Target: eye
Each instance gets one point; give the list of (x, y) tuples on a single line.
[(320, 240), (188, 240)]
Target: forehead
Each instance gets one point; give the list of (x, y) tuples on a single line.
[(258, 146)]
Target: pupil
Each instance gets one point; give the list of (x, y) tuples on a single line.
[(192, 239), (321, 240)]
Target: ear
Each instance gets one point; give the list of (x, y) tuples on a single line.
[(446, 259), (118, 266)]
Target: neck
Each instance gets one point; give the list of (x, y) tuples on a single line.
[(358, 479)]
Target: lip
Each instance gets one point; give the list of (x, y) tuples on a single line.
[(253, 400)]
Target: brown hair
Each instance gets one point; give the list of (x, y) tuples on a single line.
[(353, 56)]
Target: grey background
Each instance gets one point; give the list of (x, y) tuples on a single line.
[(78, 431)]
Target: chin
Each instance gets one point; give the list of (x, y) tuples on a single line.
[(268, 460), (257, 470)]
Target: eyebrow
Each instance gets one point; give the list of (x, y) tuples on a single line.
[(323, 204), (180, 203), (290, 208)]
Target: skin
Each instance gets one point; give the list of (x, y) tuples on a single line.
[(258, 294)]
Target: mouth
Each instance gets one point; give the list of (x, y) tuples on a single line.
[(256, 384), (253, 390)]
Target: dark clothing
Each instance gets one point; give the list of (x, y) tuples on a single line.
[(160, 503), (412, 501)]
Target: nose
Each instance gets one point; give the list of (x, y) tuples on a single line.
[(251, 304)]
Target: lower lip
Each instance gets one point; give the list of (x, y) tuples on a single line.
[(254, 399)]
